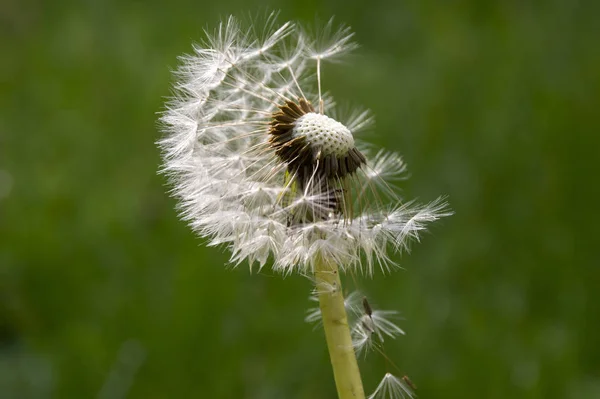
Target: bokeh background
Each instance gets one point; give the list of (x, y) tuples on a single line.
[(106, 294)]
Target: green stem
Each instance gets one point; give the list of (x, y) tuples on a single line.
[(337, 331)]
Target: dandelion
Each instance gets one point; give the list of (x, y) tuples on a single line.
[(260, 165)]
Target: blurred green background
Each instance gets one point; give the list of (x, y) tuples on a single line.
[(106, 294)]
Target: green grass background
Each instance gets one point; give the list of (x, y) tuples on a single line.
[(106, 294)]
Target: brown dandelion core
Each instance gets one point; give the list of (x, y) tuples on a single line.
[(313, 145)]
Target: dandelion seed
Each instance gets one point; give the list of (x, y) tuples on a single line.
[(366, 322), (392, 387), (372, 323)]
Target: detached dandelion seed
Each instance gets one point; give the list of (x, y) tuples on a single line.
[(259, 164), (392, 387)]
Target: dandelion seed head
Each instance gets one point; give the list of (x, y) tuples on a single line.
[(260, 163), (325, 133)]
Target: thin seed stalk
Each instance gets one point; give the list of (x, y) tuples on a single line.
[(337, 332)]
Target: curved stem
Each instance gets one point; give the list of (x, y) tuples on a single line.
[(337, 331)]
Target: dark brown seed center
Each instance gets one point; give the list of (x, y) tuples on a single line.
[(303, 158)]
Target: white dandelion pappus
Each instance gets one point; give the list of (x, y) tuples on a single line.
[(259, 165), (369, 323), (366, 323), (392, 387), (367, 327)]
